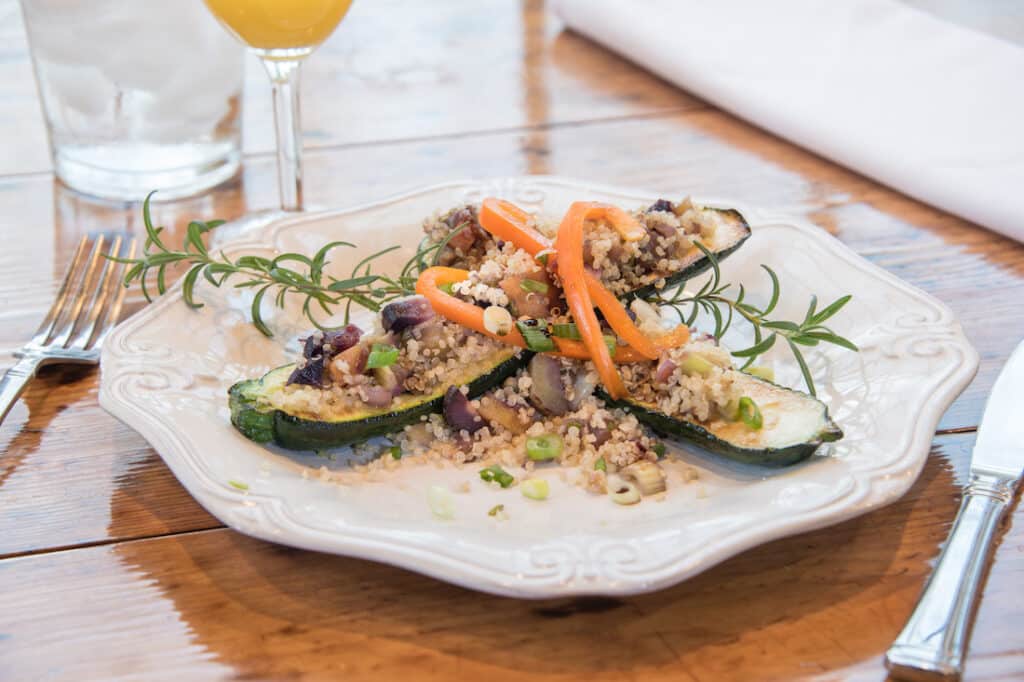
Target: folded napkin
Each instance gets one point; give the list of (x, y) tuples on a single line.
[(924, 106)]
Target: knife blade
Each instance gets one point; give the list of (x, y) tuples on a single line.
[(999, 449), (932, 644)]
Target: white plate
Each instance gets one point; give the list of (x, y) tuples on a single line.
[(166, 370)]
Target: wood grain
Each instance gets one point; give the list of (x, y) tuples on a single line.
[(216, 605), (464, 66), (114, 572), (703, 153)]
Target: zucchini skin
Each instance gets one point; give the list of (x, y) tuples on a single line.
[(693, 432), (297, 433), (701, 264)]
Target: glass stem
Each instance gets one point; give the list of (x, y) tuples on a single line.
[(284, 75)]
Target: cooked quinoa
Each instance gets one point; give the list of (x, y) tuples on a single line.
[(429, 356), (589, 432), (551, 398), (668, 246)]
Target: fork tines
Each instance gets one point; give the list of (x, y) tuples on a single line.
[(88, 303)]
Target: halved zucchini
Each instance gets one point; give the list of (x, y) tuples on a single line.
[(732, 230), (253, 415), (794, 425)]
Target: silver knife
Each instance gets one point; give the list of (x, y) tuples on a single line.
[(932, 645)]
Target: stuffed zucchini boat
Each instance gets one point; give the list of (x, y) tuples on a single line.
[(348, 387), (665, 255), (525, 344), (694, 394)]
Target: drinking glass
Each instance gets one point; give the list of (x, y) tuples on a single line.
[(137, 96), (282, 33)]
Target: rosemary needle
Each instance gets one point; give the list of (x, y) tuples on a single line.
[(715, 299), (285, 274)]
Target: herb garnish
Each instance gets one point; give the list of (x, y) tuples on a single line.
[(287, 273), (295, 273), (714, 298)]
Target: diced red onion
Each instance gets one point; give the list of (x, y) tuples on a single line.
[(459, 413), (666, 367), (409, 312), (547, 391)]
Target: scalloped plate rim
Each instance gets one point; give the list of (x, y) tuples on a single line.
[(251, 519)]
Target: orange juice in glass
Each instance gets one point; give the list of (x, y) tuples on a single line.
[(281, 33)]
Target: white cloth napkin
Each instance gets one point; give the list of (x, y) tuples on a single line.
[(924, 106)]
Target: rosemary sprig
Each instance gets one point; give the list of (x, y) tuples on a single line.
[(715, 299), (281, 276)]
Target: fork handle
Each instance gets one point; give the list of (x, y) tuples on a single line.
[(14, 382), (932, 645)]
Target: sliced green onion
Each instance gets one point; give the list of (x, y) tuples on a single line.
[(496, 509), (536, 338), (497, 475), (396, 452), (497, 320), (611, 343), (238, 485), (568, 330), (543, 448), (543, 256), (447, 288), (749, 413), (766, 373), (695, 364), (574, 424), (600, 465), (382, 355), (535, 488), (533, 286), (659, 449)]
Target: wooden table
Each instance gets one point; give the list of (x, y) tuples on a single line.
[(109, 570)]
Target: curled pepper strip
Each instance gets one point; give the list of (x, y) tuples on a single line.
[(510, 223), (569, 244), (471, 316)]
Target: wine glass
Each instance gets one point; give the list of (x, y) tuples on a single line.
[(282, 34)]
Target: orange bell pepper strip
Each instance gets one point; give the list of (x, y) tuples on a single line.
[(471, 316), (510, 223), (569, 244), (507, 221)]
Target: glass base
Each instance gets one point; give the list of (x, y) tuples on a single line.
[(186, 170)]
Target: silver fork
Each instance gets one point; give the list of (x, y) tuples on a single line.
[(85, 310)]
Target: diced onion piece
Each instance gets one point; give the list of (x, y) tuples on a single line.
[(535, 488), (622, 492), (647, 476), (498, 413), (441, 502), (497, 320)]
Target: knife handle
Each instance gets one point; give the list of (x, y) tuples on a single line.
[(933, 642)]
